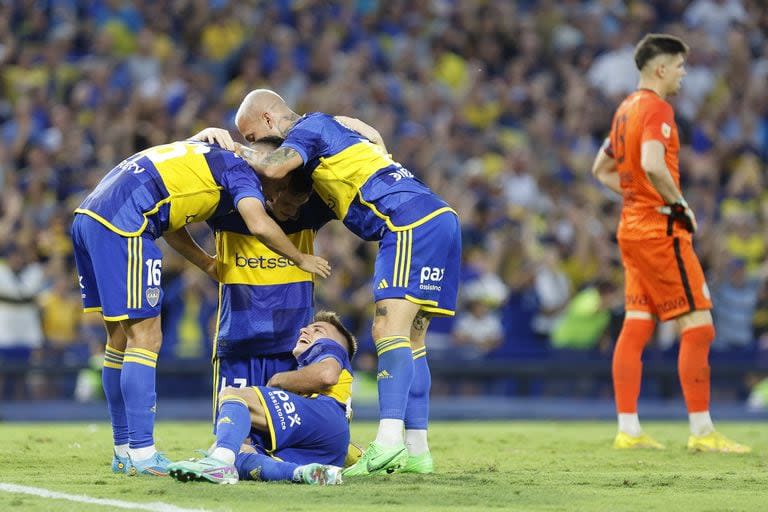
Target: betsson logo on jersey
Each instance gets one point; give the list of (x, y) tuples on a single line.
[(262, 263), (430, 275)]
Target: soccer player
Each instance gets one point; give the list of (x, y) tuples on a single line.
[(416, 270), (664, 279), (155, 193), (264, 298), (298, 423)]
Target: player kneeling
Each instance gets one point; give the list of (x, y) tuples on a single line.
[(296, 428)]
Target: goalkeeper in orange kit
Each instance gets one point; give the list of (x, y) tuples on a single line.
[(663, 276)]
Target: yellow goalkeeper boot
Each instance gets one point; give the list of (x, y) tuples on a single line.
[(715, 442), (625, 441)]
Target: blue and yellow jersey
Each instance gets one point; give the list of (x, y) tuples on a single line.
[(364, 187), (325, 348), (264, 298), (167, 187)]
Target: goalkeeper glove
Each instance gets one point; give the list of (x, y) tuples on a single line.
[(679, 211)]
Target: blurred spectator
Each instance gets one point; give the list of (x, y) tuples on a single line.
[(553, 288), (585, 318), (21, 281), (734, 296), (478, 328)]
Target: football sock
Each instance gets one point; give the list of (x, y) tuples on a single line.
[(629, 423), (142, 453), (693, 366), (138, 384), (121, 450), (417, 409), (110, 381), (627, 365), (395, 374), (232, 427), (257, 466), (701, 423)]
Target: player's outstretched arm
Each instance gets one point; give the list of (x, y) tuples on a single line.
[(185, 245), (655, 167), (604, 169), (367, 131), (275, 164), (213, 135), (261, 225), (314, 378)]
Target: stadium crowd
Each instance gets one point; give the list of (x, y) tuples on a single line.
[(499, 106)]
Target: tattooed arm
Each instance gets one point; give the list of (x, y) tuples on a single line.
[(275, 164)]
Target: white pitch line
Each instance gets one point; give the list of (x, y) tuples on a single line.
[(81, 498)]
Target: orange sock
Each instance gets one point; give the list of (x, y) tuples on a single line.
[(628, 364), (693, 366)]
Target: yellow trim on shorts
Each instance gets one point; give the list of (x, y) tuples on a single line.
[(270, 426), (115, 318), (430, 306), (92, 310)]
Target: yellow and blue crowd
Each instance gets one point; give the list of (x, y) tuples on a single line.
[(499, 106)]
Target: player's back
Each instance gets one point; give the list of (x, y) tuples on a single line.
[(265, 298), (166, 187), (643, 116), (360, 182)]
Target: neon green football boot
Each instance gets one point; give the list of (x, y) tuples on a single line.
[(379, 459), (421, 464)]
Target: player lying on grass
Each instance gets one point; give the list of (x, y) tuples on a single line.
[(296, 428)]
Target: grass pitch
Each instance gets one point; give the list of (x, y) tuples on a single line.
[(480, 466)]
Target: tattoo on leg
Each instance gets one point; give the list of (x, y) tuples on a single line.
[(421, 321), (381, 310)]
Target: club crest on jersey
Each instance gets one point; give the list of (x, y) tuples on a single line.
[(153, 296), (666, 130)]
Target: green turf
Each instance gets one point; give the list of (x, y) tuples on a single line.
[(480, 466)]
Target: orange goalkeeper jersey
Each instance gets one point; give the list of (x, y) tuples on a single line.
[(641, 117)]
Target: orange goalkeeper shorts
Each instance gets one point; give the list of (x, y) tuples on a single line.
[(663, 277)]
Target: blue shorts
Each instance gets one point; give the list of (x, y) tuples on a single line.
[(243, 372), (119, 276), (303, 430), (421, 265)]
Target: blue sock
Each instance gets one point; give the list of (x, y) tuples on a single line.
[(394, 376), (234, 423), (257, 466), (138, 384), (110, 381), (417, 410)]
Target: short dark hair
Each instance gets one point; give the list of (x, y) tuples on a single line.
[(300, 181), (272, 140), (334, 319), (658, 44)]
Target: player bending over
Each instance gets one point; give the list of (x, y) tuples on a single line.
[(664, 279), (156, 193), (298, 424)]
